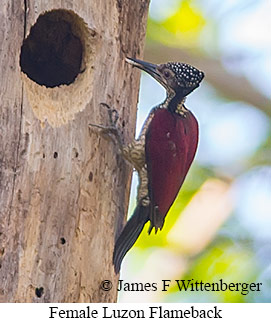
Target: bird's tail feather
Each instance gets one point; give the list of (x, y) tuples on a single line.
[(130, 234)]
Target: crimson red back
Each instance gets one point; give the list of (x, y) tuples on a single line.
[(171, 144)]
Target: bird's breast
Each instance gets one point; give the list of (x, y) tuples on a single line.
[(171, 143)]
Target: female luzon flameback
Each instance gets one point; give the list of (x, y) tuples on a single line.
[(163, 152)]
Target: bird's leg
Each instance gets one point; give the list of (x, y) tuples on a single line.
[(134, 152), (111, 131)]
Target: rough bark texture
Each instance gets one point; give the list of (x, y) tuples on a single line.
[(63, 190)]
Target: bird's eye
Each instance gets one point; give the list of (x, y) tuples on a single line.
[(166, 74)]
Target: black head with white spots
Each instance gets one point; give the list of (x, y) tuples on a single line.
[(179, 79)]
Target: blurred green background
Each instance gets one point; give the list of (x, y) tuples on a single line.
[(220, 224)]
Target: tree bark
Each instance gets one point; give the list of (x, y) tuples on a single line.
[(63, 189)]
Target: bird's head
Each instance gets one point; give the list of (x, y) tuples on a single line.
[(179, 79)]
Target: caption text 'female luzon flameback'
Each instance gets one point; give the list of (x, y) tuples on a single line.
[(163, 152)]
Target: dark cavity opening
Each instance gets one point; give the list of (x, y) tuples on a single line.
[(52, 54), (62, 240), (39, 291), (55, 154)]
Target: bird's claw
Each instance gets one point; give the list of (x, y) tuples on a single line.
[(113, 119), (112, 128), (113, 114)]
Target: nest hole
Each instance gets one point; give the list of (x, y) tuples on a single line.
[(52, 53)]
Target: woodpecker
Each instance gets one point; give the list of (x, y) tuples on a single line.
[(163, 152)]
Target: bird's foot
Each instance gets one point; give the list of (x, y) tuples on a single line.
[(111, 131)]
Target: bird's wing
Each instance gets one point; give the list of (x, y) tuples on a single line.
[(171, 143)]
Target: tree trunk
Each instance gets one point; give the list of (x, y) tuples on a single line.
[(63, 189)]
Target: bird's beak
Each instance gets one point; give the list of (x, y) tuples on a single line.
[(145, 66)]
